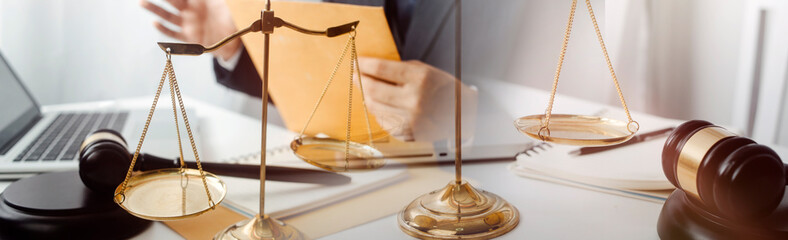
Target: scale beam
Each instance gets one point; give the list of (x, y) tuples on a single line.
[(197, 49)]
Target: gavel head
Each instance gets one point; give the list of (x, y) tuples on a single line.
[(103, 160), (728, 174)]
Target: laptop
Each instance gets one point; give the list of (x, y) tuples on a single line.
[(34, 141)]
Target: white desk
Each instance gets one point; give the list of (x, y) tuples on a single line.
[(548, 210)]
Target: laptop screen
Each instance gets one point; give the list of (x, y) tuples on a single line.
[(18, 111)]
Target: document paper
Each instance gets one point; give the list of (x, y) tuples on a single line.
[(300, 64)]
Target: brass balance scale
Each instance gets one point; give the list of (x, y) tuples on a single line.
[(457, 211), (178, 193), (172, 193)]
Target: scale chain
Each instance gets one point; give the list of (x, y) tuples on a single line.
[(175, 115), (610, 67), (325, 89), (354, 68), (174, 90), (191, 137), (349, 106), (361, 88), (145, 128), (549, 110)]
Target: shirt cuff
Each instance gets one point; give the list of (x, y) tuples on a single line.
[(230, 64)]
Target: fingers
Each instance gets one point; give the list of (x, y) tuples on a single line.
[(379, 90), (395, 121), (169, 32), (178, 4), (164, 14), (388, 94), (392, 71)]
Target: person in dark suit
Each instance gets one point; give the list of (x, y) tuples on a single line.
[(419, 89)]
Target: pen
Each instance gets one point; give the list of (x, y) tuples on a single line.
[(275, 173), (636, 139)]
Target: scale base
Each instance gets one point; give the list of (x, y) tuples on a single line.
[(458, 211), (259, 228)]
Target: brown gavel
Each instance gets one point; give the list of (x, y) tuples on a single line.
[(104, 160), (726, 173)]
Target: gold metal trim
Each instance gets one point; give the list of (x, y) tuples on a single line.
[(150, 181), (692, 154), (101, 136)]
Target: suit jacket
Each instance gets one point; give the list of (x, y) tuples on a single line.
[(429, 38)]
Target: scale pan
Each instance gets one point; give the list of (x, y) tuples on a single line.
[(329, 154), (577, 129), (170, 194)]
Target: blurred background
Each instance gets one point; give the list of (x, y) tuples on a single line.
[(88, 50), (722, 61)]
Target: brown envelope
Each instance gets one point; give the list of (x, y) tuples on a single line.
[(302, 64), (206, 225)]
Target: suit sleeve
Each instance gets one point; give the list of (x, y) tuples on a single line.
[(244, 78)]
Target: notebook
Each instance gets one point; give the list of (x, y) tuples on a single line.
[(633, 171), (657, 196), (284, 199)]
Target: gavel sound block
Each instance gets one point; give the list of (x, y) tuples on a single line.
[(58, 206)]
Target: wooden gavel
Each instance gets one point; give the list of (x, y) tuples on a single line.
[(726, 173)]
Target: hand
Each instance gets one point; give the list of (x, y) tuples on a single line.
[(419, 93), (201, 21)]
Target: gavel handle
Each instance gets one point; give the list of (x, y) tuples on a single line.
[(274, 173)]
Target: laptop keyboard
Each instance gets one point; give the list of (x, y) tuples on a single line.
[(62, 138)]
